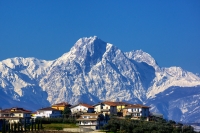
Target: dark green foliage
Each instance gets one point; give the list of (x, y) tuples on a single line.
[(172, 122), (58, 128), (119, 114), (56, 120), (22, 126), (128, 116), (140, 126), (66, 112)]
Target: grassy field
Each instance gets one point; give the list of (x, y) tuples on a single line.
[(58, 126)]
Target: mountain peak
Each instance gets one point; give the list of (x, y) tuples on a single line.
[(86, 48), (141, 56), (93, 71), (86, 40)]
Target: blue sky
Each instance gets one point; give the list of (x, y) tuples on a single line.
[(168, 30)]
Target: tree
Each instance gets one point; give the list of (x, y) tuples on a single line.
[(66, 112)]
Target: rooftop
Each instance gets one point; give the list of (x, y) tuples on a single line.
[(136, 106), (62, 104)]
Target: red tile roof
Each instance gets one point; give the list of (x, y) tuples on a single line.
[(86, 105), (48, 108), (15, 110), (136, 106), (110, 103), (82, 104), (62, 104), (121, 103)]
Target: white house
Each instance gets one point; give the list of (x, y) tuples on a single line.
[(106, 107), (47, 113), (15, 114), (136, 111), (91, 120), (81, 107)]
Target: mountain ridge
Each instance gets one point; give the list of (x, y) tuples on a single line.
[(93, 71)]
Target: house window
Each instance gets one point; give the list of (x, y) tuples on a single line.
[(85, 122)]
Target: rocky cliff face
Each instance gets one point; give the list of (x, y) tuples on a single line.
[(94, 71)]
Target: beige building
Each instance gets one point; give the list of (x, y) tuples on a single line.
[(82, 108), (136, 111), (109, 107), (15, 114), (61, 106), (91, 120)]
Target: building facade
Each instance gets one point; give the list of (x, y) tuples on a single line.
[(136, 111), (15, 114), (82, 108), (47, 113), (109, 107), (61, 106), (91, 120)]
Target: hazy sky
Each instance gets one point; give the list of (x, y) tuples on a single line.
[(169, 30)]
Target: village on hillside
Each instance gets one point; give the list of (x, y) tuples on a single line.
[(92, 116)]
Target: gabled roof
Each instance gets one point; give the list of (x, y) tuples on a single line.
[(62, 104), (48, 109), (136, 106), (97, 104), (15, 110), (110, 103), (121, 103), (86, 105), (82, 104)]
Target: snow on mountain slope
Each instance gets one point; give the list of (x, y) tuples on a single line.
[(96, 68), (140, 56), (19, 80), (165, 77), (173, 76), (93, 71), (178, 103)]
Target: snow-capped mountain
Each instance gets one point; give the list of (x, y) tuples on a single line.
[(93, 71)]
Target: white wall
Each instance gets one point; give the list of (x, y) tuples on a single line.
[(113, 109), (97, 108), (79, 108), (106, 106), (141, 111), (88, 123), (23, 115), (45, 113)]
